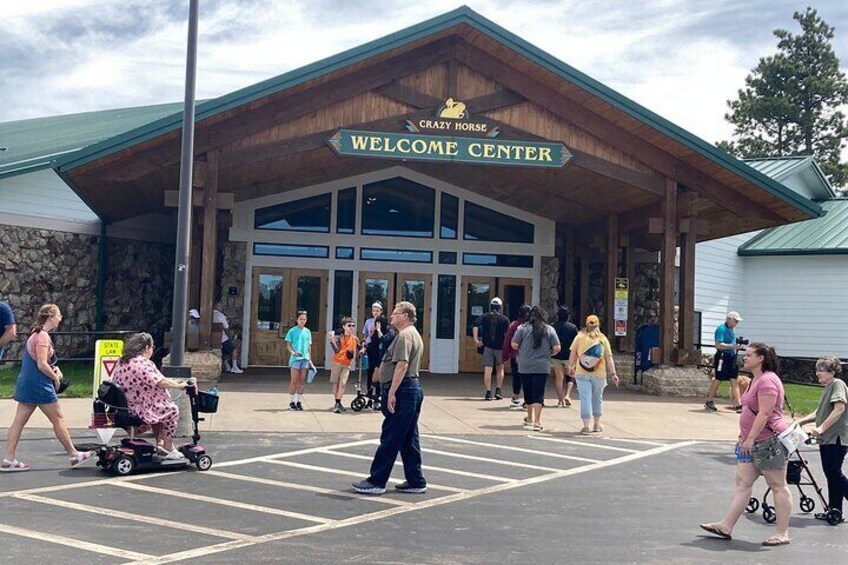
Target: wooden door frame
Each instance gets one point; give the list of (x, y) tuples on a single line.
[(387, 308), (465, 280), (254, 303), (400, 278), (319, 336)]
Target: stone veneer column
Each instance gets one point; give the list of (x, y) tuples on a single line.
[(548, 293)]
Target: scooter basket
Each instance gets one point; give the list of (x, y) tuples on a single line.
[(207, 403)]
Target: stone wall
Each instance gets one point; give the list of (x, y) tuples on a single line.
[(548, 293), (232, 276), (41, 266)]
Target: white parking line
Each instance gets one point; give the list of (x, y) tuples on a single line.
[(76, 544), (112, 513), (516, 449), (582, 443), (430, 503), (490, 460), (639, 441), (305, 451), (306, 488), (426, 467), (225, 502), (342, 472)]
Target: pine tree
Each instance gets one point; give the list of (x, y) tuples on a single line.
[(791, 100)]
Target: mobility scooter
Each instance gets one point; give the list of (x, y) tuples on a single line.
[(133, 454)]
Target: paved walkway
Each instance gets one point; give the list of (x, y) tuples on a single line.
[(257, 401)]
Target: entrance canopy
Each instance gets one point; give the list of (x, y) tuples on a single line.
[(617, 157)]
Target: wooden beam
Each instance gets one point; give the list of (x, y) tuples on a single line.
[(584, 290), (653, 183), (243, 124), (452, 78), (686, 316), (409, 96), (494, 101), (667, 272), (632, 144), (223, 200), (630, 270), (209, 253), (611, 273)]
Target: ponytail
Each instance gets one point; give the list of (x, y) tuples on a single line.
[(771, 362), (44, 313)]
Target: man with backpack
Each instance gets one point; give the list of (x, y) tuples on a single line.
[(489, 332)]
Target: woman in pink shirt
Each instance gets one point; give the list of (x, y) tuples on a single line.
[(758, 450)]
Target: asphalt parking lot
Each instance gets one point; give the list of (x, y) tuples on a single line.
[(543, 498)]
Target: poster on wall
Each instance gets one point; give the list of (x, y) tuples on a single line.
[(622, 288)]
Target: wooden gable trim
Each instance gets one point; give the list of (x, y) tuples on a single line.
[(637, 147)]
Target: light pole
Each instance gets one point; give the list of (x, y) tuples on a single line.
[(179, 314)]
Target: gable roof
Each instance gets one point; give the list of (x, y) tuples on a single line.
[(460, 16), (803, 166), (827, 235), (34, 144)]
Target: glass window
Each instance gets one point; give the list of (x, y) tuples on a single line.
[(447, 257), (484, 224), (344, 252), (492, 260), (449, 216), (347, 211), (308, 214), (282, 250), (268, 301), (398, 207), (405, 256), (446, 307), (342, 297)]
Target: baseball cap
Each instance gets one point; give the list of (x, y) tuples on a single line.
[(592, 320), (496, 301), (194, 313), (378, 306), (734, 316)]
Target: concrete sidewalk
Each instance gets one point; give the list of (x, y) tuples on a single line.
[(257, 401)]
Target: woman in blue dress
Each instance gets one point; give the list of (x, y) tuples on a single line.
[(36, 388)]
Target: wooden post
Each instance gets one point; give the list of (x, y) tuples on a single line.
[(568, 244), (210, 247), (611, 274), (584, 289), (630, 273), (669, 251), (686, 316)]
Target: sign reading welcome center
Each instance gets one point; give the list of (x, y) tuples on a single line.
[(442, 148)]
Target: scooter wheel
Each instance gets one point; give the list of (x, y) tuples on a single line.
[(203, 463), (834, 517), (808, 504), (769, 515), (753, 505), (123, 466), (357, 404)]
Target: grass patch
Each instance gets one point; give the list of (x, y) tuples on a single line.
[(80, 373), (804, 398)]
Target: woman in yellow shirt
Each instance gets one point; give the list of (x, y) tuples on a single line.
[(590, 360)]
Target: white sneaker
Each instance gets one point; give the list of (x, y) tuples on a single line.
[(227, 367), (174, 455), (236, 369)]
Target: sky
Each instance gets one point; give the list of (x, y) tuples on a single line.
[(683, 59)]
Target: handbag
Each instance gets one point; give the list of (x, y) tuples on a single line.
[(793, 437), (62, 386)]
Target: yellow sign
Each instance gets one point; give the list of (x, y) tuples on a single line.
[(453, 110), (621, 287), (107, 353)]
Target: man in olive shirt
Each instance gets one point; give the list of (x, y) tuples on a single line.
[(402, 397)]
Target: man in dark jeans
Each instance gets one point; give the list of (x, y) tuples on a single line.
[(402, 398)]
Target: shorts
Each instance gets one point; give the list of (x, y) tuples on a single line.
[(300, 364), (564, 364), (227, 348), (492, 357), (769, 455), (534, 387), (339, 373), (728, 371)]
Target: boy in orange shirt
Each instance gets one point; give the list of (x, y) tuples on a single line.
[(344, 348)]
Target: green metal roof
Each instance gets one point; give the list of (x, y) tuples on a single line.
[(827, 235), (462, 15), (781, 168), (33, 144)]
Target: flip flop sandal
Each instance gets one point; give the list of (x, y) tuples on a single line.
[(566, 401), (80, 458), (14, 466), (713, 529), (774, 540)]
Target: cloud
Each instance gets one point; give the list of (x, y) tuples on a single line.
[(679, 58)]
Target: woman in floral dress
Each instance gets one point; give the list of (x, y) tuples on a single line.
[(146, 391)]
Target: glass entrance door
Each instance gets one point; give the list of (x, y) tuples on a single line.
[(416, 289), (278, 294), (514, 293), (477, 294)]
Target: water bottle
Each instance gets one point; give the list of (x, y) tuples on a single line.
[(213, 390)]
